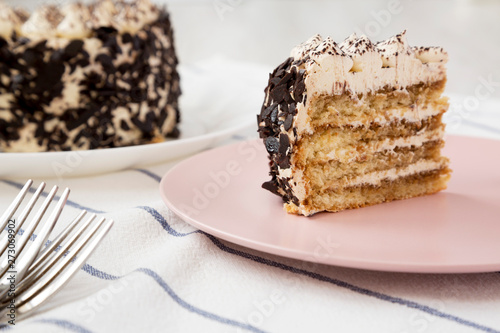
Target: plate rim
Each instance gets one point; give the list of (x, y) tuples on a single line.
[(206, 136), (375, 265)]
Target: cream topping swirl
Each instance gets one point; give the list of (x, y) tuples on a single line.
[(359, 66), (42, 22), (77, 20), (9, 21)]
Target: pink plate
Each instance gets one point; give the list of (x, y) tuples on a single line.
[(455, 231)]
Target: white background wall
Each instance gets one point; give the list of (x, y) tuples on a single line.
[(264, 31)]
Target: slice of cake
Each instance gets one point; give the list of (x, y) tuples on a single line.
[(355, 124), (87, 76)]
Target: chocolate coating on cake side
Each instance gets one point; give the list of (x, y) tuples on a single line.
[(286, 88), (109, 90)]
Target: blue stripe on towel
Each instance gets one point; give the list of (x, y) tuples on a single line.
[(149, 174), (157, 216), (67, 325), (44, 194), (194, 309), (316, 276), (99, 274), (191, 308)]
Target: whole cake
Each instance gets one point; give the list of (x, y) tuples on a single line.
[(87, 76), (355, 124)]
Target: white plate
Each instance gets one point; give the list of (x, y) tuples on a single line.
[(211, 110)]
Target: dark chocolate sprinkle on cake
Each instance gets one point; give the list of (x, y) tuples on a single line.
[(285, 89), (145, 93)]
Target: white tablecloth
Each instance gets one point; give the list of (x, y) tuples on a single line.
[(156, 273)]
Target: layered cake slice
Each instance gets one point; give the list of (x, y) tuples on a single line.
[(355, 124), (85, 76)]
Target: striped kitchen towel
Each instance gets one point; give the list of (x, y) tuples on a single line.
[(156, 273)]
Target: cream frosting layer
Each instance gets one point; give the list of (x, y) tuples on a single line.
[(357, 66), (417, 114), (9, 20), (376, 178), (77, 20), (352, 153)]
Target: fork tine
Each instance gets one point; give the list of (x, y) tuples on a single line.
[(45, 263), (21, 240), (4, 240), (15, 204), (54, 216), (53, 280), (25, 258), (40, 264), (31, 226), (49, 249)]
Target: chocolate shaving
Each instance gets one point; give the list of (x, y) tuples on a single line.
[(288, 121), (271, 186), (272, 144), (285, 89)]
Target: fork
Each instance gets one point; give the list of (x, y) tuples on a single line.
[(29, 276)]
